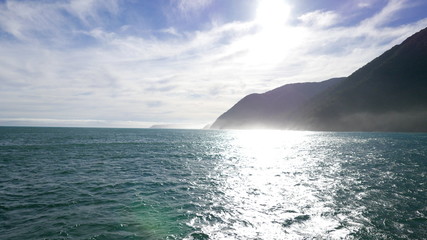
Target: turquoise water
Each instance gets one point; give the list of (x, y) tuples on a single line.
[(77, 183)]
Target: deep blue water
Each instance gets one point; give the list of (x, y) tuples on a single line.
[(82, 183)]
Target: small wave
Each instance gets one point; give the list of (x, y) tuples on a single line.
[(297, 220)]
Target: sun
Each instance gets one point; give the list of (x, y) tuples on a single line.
[(271, 13), (275, 38)]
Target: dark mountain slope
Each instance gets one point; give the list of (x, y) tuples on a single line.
[(387, 94), (272, 108)]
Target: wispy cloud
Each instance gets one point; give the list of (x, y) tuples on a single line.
[(90, 11), (364, 4), (191, 6), (191, 76), (41, 20), (319, 18), (386, 15)]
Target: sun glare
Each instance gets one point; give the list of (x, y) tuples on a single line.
[(267, 143), (275, 37), (271, 13)]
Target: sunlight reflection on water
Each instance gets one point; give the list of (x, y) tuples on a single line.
[(191, 184), (272, 187)]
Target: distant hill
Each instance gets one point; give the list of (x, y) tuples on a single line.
[(387, 94)]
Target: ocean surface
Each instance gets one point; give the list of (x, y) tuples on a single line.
[(84, 183)]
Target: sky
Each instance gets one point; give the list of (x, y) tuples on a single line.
[(135, 63)]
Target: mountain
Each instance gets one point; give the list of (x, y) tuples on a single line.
[(273, 108), (387, 94)]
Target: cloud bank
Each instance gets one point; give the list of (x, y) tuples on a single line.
[(77, 62)]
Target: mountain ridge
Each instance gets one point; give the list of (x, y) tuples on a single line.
[(258, 108), (387, 94)]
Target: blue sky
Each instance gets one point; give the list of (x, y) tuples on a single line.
[(130, 63)]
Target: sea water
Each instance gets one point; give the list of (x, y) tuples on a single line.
[(83, 183)]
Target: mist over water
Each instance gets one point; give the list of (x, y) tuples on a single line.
[(69, 183)]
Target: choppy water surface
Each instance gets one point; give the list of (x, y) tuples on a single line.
[(69, 183)]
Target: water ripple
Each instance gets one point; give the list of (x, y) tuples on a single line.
[(59, 183)]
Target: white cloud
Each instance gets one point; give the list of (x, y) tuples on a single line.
[(40, 20), (89, 10), (386, 15), (319, 18), (171, 31), (191, 78), (364, 4), (23, 20), (191, 6)]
